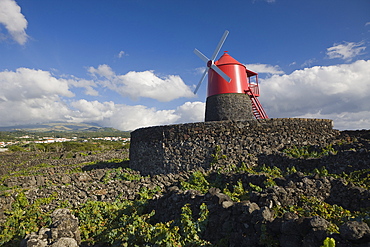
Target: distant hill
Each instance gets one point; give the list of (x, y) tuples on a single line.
[(59, 127)]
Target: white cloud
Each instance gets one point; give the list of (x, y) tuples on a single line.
[(35, 96), (92, 111), (344, 120), (338, 92), (29, 96), (121, 54), (132, 117), (13, 20), (147, 84), (264, 68), (103, 70), (143, 84), (191, 112), (27, 83), (346, 51), (329, 91), (36, 110), (125, 117), (89, 85)]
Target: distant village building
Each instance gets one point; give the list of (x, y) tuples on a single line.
[(60, 139)]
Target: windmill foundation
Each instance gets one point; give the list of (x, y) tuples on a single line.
[(230, 106)]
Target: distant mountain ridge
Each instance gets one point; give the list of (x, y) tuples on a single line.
[(58, 127)]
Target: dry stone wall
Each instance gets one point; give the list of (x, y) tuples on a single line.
[(183, 147)]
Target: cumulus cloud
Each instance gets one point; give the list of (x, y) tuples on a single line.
[(346, 51), (35, 96), (344, 120), (338, 92), (27, 83), (89, 85), (191, 112), (13, 20), (92, 111), (265, 68), (143, 84), (132, 117), (326, 91), (126, 117), (147, 84), (103, 70), (36, 110), (29, 96)]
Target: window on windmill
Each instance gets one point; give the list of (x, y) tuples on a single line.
[(252, 80)]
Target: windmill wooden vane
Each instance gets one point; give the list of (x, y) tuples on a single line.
[(232, 89)]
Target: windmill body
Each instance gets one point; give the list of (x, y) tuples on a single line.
[(235, 70), (232, 89)]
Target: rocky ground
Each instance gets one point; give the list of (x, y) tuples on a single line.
[(278, 200)]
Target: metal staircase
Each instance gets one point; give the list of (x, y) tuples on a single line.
[(257, 108)]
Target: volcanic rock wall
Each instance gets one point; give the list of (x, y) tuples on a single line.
[(183, 147)]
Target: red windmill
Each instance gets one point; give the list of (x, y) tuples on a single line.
[(232, 89)]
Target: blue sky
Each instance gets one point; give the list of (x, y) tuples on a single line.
[(130, 63)]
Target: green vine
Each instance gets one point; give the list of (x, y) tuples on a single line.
[(24, 217), (217, 156), (311, 206), (328, 242), (308, 152), (197, 181)]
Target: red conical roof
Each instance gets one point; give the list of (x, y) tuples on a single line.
[(227, 59)]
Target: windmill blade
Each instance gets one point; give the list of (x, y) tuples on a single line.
[(201, 80), (201, 55), (210, 62), (221, 73), (218, 48)]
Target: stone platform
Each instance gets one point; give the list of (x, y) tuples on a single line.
[(229, 106), (183, 147)]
